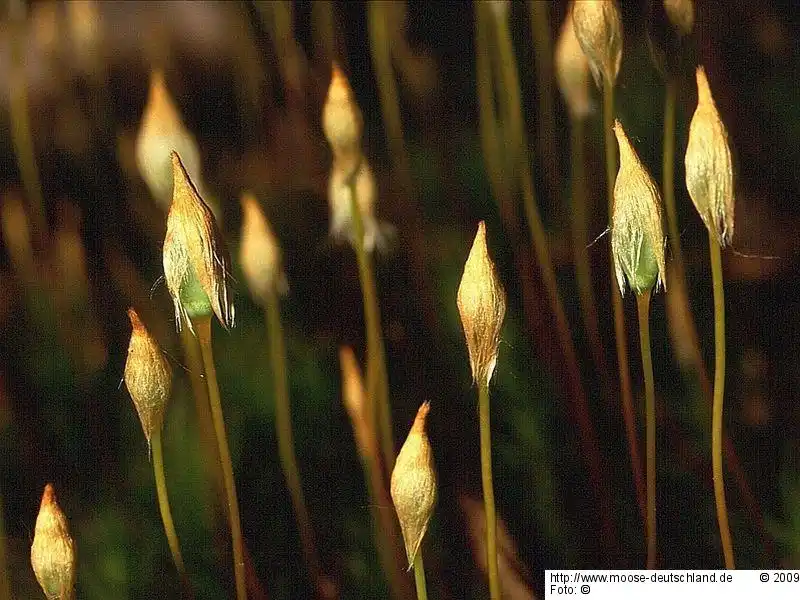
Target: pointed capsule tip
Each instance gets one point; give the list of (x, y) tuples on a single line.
[(703, 89), (49, 495), (422, 415), (133, 316)]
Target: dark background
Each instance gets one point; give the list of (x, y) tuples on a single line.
[(64, 418)]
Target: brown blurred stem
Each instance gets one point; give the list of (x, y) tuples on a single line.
[(380, 48), (323, 26), (643, 306), (519, 162), (719, 394), (668, 170), (580, 242), (384, 524), (543, 50), (377, 379), (283, 423), (202, 326), (488, 490), (166, 513), (21, 136)]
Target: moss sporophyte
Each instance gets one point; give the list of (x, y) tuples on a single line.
[(196, 263)]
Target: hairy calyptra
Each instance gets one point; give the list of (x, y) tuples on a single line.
[(709, 166), (259, 252), (53, 550), (148, 377), (414, 485), (598, 27), (637, 236), (482, 305), (572, 70), (196, 263)]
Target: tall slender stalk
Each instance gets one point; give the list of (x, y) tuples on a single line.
[(520, 163), (380, 48), (580, 242), (166, 513), (377, 379), (539, 13), (385, 528), (620, 336), (283, 423), (202, 326), (21, 136), (643, 306), (488, 490), (419, 576), (719, 394), (668, 170), (588, 303), (194, 358), (680, 288)]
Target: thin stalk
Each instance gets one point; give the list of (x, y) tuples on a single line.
[(419, 576), (323, 25), (384, 524), (580, 242), (202, 326), (377, 380), (194, 358), (543, 50), (381, 49), (488, 491), (166, 513), (21, 136), (620, 336), (719, 394), (588, 303), (668, 169), (520, 163), (283, 424), (696, 358), (643, 305)]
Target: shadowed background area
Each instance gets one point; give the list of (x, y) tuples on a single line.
[(250, 80)]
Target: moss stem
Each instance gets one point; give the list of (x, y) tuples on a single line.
[(620, 336), (283, 425), (166, 513), (580, 242), (668, 169), (202, 326), (488, 490), (381, 49), (194, 358), (681, 290), (419, 576), (539, 13), (643, 305), (519, 162), (719, 394), (377, 379), (384, 524), (21, 136)]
